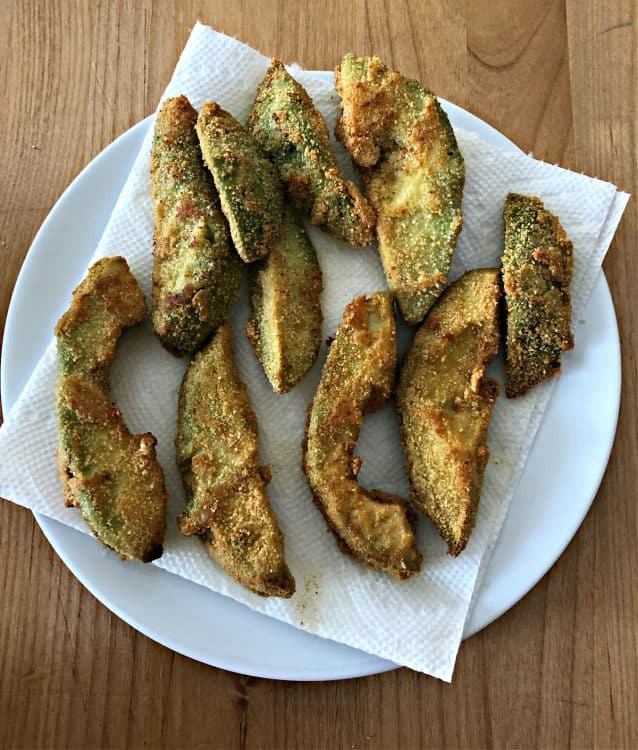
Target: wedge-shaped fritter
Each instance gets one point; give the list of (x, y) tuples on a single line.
[(413, 172), (113, 477), (445, 403), (249, 188), (217, 454), (375, 528), (295, 137), (285, 328), (537, 271), (196, 272)]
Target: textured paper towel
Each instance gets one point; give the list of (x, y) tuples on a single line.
[(418, 623)]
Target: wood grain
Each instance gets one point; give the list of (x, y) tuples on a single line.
[(561, 668)]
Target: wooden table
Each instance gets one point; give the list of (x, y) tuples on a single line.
[(561, 668)]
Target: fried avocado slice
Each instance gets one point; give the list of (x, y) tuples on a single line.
[(413, 172), (294, 135), (247, 183), (285, 328), (375, 528), (113, 477), (196, 272), (217, 455), (537, 271), (445, 403)]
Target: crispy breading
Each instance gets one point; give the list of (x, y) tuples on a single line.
[(285, 328), (249, 188), (217, 454), (413, 172), (537, 271), (294, 135), (375, 528), (445, 404), (113, 477), (196, 272)]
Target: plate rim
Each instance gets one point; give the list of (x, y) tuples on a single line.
[(377, 665)]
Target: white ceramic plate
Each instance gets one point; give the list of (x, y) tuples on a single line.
[(559, 483)]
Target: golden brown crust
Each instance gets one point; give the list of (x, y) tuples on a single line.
[(445, 404), (112, 476), (196, 272), (217, 454), (108, 300), (537, 271), (249, 189), (374, 528), (294, 135), (413, 172), (129, 520), (285, 327)]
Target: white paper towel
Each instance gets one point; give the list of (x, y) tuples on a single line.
[(418, 623)]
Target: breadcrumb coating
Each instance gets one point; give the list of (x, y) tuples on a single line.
[(196, 272), (294, 135), (217, 455), (247, 183), (112, 476), (375, 528), (445, 404), (285, 327), (537, 271), (413, 173)]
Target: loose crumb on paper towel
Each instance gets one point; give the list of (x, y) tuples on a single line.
[(308, 603)]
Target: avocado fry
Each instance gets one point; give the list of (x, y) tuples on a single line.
[(413, 173), (285, 328), (196, 272), (113, 477), (247, 183), (445, 404), (537, 271), (375, 528), (295, 137), (217, 455)]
